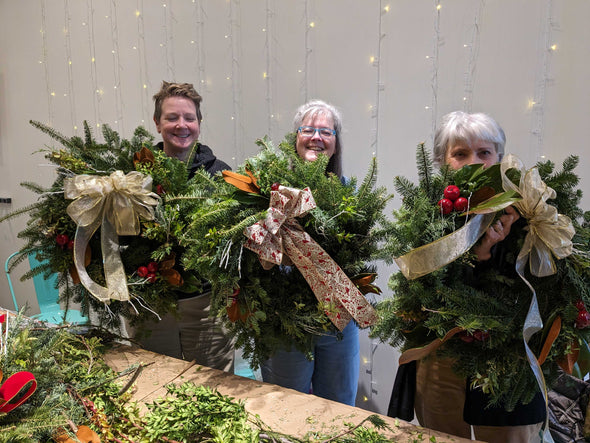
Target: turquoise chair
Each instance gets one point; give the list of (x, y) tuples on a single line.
[(47, 296)]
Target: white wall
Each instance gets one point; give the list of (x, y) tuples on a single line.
[(493, 56)]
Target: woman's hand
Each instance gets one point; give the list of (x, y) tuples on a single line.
[(495, 234)]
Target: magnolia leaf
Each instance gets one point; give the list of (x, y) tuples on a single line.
[(245, 183), (172, 276), (249, 198), (144, 156), (552, 334), (482, 195), (168, 262), (496, 203)]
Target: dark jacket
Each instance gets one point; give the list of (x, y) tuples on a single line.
[(204, 158)]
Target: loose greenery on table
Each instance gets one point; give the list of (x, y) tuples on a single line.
[(77, 389)]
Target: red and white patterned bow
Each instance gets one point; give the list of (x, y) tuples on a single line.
[(280, 239)]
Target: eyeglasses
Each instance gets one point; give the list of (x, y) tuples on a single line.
[(309, 131)]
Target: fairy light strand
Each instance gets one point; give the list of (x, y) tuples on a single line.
[(434, 78), (69, 67), (234, 14), (538, 104), (119, 109), (44, 61), (375, 146), (380, 86), (472, 58), (199, 14), (268, 77), (142, 62), (168, 45), (308, 51), (92, 50)]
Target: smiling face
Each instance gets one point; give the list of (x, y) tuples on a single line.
[(178, 125), (309, 148), (478, 152)]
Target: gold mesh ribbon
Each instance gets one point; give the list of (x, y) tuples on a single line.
[(114, 203), (428, 258), (279, 239)]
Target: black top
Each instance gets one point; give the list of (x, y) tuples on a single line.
[(476, 411)]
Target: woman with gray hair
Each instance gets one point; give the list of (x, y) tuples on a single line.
[(445, 401), (312, 141), (463, 138), (333, 370)]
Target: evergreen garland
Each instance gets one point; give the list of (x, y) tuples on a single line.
[(490, 306), (274, 309), (50, 231)]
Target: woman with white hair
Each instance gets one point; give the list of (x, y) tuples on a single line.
[(333, 370)]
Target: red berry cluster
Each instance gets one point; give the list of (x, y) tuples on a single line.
[(583, 319), (452, 200), (148, 272), (478, 335), (64, 242)]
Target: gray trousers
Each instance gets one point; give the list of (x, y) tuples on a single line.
[(192, 336)]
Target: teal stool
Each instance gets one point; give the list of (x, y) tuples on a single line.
[(47, 296)]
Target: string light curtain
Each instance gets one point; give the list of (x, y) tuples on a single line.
[(537, 104)]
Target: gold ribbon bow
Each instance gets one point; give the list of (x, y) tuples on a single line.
[(280, 239), (549, 233), (115, 203)]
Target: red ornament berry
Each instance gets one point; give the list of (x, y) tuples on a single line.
[(70, 245), (580, 305), (583, 320), (466, 337), (151, 277), (62, 239), (452, 192), (446, 205), (142, 271), (461, 204), (152, 267), (160, 190), (275, 186), (480, 335)]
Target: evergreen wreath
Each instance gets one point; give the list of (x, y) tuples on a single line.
[(151, 259), (267, 310), (489, 303)]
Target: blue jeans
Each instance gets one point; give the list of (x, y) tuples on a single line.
[(333, 373)]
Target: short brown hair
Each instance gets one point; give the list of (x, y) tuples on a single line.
[(177, 89)]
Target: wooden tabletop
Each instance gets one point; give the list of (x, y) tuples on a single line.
[(284, 410)]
